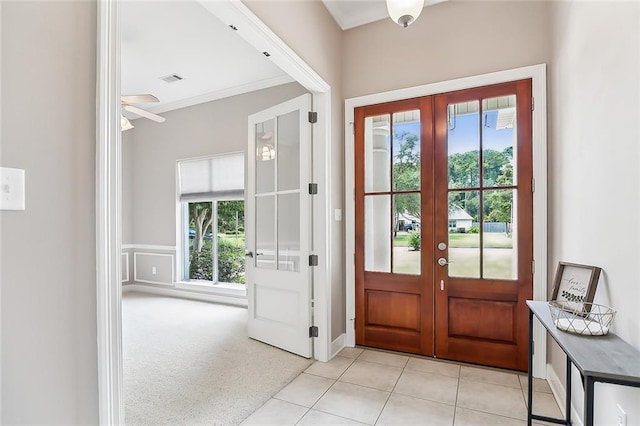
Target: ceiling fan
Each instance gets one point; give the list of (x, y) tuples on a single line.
[(126, 102)]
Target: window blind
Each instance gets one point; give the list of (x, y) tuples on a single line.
[(219, 177)]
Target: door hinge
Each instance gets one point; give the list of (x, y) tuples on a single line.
[(313, 117), (533, 347), (313, 331), (533, 266), (313, 188), (313, 260), (533, 104), (533, 185), (353, 128)]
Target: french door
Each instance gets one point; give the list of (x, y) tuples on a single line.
[(278, 225), (444, 230)]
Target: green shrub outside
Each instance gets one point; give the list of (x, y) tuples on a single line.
[(231, 264), (414, 240), (230, 261), (200, 264)]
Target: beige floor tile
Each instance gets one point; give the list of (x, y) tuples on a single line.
[(372, 375), (332, 369), (539, 385), (353, 402), (493, 399), (276, 412), (351, 352), (544, 404), (465, 417), (434, 387), (318, 418), (305, 389), (405, 410), (490, 376), (433, 366), (384, 358)]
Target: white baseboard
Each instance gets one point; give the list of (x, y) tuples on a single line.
[(559, 393), (338, 344), (185, 294)]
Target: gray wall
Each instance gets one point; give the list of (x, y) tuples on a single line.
[(594, 152), (127, 188), (317, 39), (449, 40), (49, 360), (153, 148)]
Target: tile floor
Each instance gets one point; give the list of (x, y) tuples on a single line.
[(362, 386)]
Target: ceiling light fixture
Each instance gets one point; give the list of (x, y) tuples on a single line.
[(404, 12)]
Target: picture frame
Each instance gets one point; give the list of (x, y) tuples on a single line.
[(575, 285)]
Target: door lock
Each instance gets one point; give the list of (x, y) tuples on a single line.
[(443, 262)]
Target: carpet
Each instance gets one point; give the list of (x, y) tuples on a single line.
[(189, 363)]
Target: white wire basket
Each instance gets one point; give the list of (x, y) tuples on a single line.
[(592, 320)]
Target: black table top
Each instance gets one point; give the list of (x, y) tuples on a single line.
[(606, 357)]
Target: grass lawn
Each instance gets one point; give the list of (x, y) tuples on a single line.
[(491, 240)]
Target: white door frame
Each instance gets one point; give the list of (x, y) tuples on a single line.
[(539, 80), (108, 176)]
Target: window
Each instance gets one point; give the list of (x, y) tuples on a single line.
[(211, 197)]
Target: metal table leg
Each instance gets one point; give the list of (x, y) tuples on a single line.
[(530, 371), (588, 400), (567, 414)]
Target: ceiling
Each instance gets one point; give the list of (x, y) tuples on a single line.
[(353, 13), (161, 38)]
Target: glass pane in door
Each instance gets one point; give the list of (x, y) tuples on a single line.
[(463, 144), (406, 234), (265, 156), (499, 133), (406, 151), (464, 236), (265, 232), (499, 251), (289, 151), (377, 233), (289, 232), (377, 153)]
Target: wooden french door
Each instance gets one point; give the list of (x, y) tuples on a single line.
[(444, 228)]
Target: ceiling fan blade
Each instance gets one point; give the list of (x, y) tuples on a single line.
[(143, 113), (138, 99)]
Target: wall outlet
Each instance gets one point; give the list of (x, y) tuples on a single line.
[(153, 270), (621, 416)]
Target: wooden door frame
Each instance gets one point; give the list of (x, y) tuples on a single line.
[(108, 178), (537, 73)]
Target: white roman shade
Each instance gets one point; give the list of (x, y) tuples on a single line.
[(219, 177)]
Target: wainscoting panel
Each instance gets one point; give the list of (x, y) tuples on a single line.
[(154, 268), (125, 267)]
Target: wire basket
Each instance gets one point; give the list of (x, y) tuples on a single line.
[(590, 320)]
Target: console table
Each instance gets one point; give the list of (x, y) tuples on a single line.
[(605, 359)]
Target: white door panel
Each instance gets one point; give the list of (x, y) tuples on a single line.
[(278, 224)]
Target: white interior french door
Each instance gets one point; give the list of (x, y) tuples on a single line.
[(278, 226)]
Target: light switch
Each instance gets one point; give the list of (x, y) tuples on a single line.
[(11, 189), (338, 215)]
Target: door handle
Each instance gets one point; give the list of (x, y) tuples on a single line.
[(248, 253), (444, 262)]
